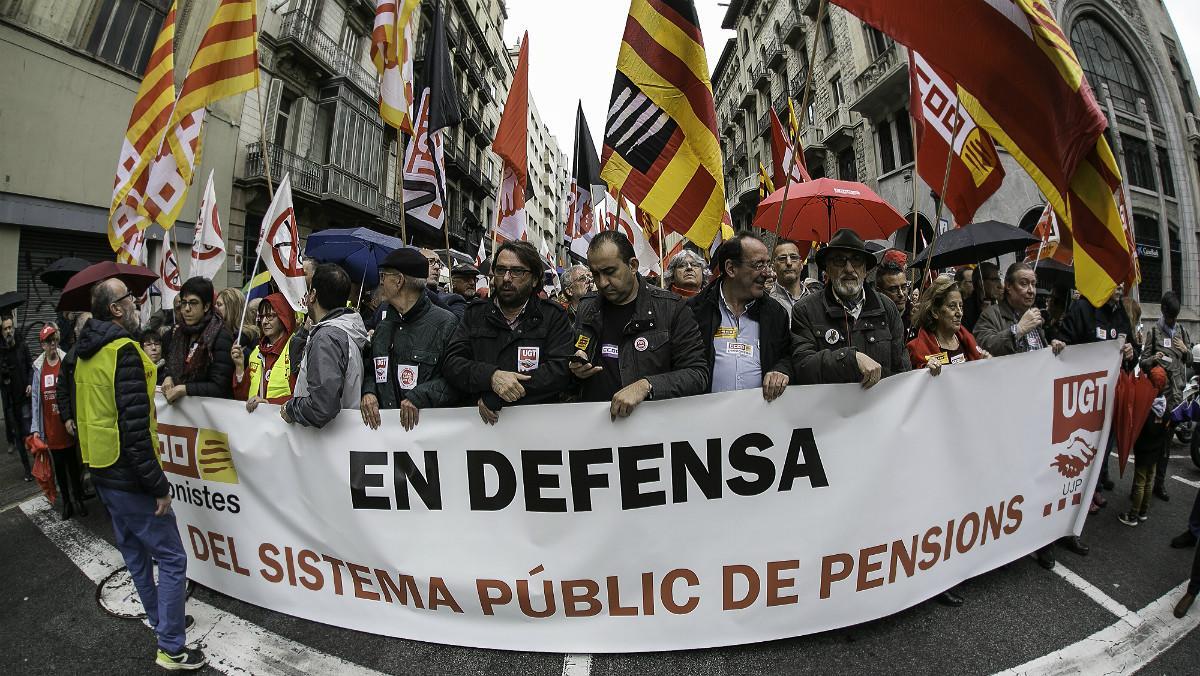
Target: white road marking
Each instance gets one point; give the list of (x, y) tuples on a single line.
[(233, 645), (577, 665), (1193, 484), (1094, 593), (1120, 648)]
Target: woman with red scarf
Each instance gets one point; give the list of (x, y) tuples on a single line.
[(269, 377), (942, 339), (198, 363)]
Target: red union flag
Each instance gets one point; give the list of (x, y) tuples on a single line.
[(782, 150), (943, 125), (279, 246)]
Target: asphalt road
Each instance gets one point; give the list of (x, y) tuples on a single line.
[(51, 622)]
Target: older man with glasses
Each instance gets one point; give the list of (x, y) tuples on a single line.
[(445, 300), (685, 273), (848, 333), (789, 274)]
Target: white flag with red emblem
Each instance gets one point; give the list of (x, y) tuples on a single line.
[(208, 243), (623, 221), (279, 246), (168, 272)]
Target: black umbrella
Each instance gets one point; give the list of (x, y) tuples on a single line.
[(973, 243), (11, 301), (57, 273), (1050, 273)]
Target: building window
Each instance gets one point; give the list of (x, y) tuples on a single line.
[(904, 139), (287, 102), (827, 35), (1150, 254), (1137, 162), (835, 86), (1106, 60), (847, 165), (877, 41), (124, 31), (1164, 171), (887, 158)]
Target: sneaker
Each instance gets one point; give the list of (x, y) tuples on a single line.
[(1143, 517), (188, 623), (190, 659), (1184, 540), (1128, 519)]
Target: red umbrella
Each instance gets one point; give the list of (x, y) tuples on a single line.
[(814, 210), (77, 294)]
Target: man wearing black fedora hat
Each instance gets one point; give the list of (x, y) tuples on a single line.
[(849, 333)]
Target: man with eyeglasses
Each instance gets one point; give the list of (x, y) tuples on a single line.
[(635, 341), (747, 341), (405, 354), (789, 274), (512, 348), (892, 283), (848, 333), (685, 273), (118, 439), (577, 283), (448, 301)]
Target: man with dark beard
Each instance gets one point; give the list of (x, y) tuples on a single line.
[(16, 370), (848, 333), (513, 347)]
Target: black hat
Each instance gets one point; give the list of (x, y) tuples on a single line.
[(407, 261), (848, 241), (464, 271)]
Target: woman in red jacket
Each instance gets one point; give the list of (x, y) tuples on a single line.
[(942, 338)]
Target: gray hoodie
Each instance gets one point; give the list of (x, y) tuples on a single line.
[(330, 377)]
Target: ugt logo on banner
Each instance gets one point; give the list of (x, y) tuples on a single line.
[(1079, 403), (198, 453)]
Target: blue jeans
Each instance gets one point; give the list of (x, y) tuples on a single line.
[(143, 539)]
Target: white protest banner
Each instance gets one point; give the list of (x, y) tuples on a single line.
[(697, 522)]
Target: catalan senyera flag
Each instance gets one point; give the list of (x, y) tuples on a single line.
[(392, 53), (766, 186), (943, 128), (1022, 83), (660, 140), (788, 164), (225, 64), (147, 123)]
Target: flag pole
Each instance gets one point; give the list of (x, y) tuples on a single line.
[(400, 183), (266, 155), (787, 183), (912, 123), (662, 256), (941, 201)]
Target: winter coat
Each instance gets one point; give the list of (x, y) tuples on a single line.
[(483, 343), (671, 354), (330, 376), (925, 345), (217, 379), (416, 338), (453, 302), (37, 421), (1084, 323), (137, 468), (775, 341), (1174, 362), (996, 331), (823, 353)]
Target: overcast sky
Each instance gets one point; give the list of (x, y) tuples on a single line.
[(573, 52)]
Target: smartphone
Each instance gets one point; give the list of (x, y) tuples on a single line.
[(576, 359)]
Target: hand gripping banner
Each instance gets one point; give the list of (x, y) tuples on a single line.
[(698, 522)]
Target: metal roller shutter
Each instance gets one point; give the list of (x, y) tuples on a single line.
[(39, 248)]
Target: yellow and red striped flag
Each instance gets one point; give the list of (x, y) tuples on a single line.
[(392, 53), (765, 185), (147, 122), (660, 141), (226, 64)]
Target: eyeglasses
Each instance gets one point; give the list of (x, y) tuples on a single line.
[(195, 302), (757, 265), (515, 273), (785, 258), (583, 280), (689, 265), (843, 261), (434, 261), (130, 295)]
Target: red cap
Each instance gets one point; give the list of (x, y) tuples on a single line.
[(47, 331)]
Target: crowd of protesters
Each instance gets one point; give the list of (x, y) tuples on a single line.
[(750, 319)]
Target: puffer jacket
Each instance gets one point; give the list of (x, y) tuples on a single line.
[(416, 338), (672, 353), (137, 469), (330, 376), (483, 344), (828, 339)]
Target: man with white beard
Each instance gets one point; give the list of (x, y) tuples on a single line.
[(849, 333)]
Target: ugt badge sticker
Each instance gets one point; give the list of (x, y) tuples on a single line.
[(528, 358), (641, 344), (381, 367), (832, 336)]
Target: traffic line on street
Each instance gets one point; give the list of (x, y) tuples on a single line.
[(1193, 484), (233, 645), (577, 665), (1096, 594), (1120, 648)]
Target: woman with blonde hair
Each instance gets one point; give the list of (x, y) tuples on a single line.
[(230, 306), (942, 339)]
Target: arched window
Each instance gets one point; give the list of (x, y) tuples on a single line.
[(1106, 60), (1030, 220), (745, 40), (902, 239)]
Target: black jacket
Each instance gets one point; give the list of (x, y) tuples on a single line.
[(16, 369), (136, 469), (418, 339), (1083, 323), (823, 354), (483, 344), (673, 356), (775, 343), (217, 381), (453, 302)]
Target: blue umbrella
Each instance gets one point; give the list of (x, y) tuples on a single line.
[(358, 250)]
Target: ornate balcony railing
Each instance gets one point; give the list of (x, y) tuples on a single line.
[(300, 30), (306, 175)]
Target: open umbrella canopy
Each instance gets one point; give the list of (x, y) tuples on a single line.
[(457, 258), (77, 294), (814, 210), (973, 243), (10, 301), (358, 250), (60, 271)]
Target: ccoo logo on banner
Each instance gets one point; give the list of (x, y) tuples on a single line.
[(198, 454)]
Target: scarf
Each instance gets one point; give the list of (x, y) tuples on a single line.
[(191, 349)]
